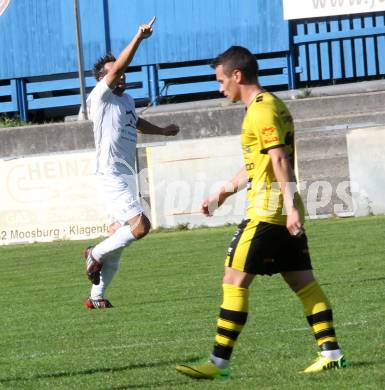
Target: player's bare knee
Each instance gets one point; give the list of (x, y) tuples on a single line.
[(297, 280), (141, 227), (140, 231), (237, 278)]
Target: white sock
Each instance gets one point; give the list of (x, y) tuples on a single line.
[(110, 266), (333, 354), (120, 239), (219, 362)]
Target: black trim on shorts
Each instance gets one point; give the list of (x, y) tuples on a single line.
[(236, 237)]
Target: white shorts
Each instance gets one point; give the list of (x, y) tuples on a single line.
[(120, 197)]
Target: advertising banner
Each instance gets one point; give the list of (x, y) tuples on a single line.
[(301, 9), (53, 197)]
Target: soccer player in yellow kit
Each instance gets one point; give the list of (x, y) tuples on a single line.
[(271, 239)]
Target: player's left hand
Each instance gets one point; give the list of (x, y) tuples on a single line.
[(171, 130)]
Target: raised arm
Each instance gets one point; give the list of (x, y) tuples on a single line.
[(126, 56), (214, 201)]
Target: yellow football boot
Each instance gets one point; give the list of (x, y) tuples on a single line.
[(204, 371), (322, 363)]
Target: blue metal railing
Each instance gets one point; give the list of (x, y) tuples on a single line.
[(327, 49), (349, 46), (147, 84)]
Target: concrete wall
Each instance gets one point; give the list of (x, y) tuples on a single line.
[(335, 176), (340, 164), (367, 169), (361, 105), (323, 171)]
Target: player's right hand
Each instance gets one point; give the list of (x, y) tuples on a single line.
[(293, 223), (145, 30)]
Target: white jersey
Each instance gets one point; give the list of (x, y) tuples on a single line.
[(114, 120)]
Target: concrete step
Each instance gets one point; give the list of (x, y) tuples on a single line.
[(49, 138), (316, 145), (360, 119), (325, 106), (320, 169)]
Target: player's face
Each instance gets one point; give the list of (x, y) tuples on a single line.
[(227, 84), (121, 85)]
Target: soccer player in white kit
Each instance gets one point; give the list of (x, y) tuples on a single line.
[(115, 131)]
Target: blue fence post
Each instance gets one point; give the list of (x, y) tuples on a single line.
[(22, 103), (153, 86), (291, 58)]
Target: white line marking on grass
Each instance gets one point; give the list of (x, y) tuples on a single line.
[(345, 324), (37, 355)]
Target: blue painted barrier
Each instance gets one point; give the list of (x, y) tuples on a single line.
[(41, 72), (349, 46), (8, 96)]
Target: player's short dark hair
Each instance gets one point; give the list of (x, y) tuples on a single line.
[(238, 57), (98, 69)]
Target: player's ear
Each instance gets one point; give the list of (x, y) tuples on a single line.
[(237, 75)]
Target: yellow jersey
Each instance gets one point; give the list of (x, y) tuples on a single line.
[(267, 124)]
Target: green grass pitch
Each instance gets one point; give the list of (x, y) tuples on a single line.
[(167, 296)]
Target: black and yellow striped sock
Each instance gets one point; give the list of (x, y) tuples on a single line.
[(232, 318), (319, 315)]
